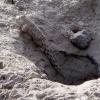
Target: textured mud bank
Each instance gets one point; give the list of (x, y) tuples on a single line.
[(49, 49)]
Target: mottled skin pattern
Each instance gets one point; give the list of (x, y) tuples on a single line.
[(29, 27)]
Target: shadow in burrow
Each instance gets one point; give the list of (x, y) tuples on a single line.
[(75, 69)]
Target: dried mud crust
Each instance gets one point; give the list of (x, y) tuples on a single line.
[(28, 73)]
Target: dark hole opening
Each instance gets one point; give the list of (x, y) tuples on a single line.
[(75, 29)]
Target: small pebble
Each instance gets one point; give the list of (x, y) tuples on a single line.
[(81, 39)]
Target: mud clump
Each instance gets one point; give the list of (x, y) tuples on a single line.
[(81, 39)]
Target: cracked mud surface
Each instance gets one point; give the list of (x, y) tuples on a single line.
[(66, 73)]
